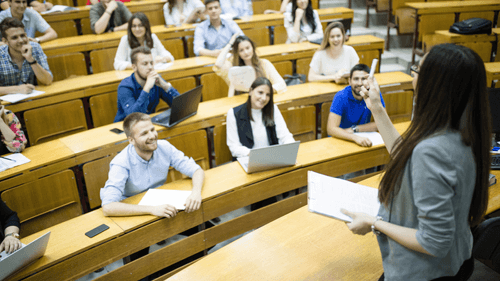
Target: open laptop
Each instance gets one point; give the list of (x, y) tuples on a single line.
[(183, 107), (271, 157), (10, 263)]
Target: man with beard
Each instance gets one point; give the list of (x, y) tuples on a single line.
[(22, 61), (348, 113), (141, 91)]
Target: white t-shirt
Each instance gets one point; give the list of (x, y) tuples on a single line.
[(323, 64), (174, 18), (122, 58)]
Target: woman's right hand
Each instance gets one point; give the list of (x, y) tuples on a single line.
[(371, 94), (233, 38), (299, 13)]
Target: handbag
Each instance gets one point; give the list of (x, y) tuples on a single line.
[(472, 26), (295, 79)]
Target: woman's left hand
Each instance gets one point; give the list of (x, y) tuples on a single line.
[(10, 244), (361, 223)]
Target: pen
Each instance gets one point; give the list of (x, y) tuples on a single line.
[(7, 158)]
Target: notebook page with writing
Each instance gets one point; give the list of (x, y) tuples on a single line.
[(327, 195), (157, 197)]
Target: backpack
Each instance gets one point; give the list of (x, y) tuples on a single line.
[(472, 26)]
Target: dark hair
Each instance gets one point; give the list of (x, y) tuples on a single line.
[(450, 93), (10, 23), (359, 67), (210, 1), (237, 61), (171, 4), (326, 36), (131, 120), (139, 50), (132, 40), (268, 110), (309, 14)]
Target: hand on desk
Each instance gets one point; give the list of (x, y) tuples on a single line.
[(193, 202), (166, 210), (361, 141), (361, 223), (25, 89)]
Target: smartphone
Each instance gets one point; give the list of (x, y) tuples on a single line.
[(116, 131), (97, 230)]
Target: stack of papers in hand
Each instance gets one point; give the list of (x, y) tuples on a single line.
[(157, 197), (12, 160), (13, 98), (374, 137), (327, 195)]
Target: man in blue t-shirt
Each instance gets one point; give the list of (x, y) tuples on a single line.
[(348, 113)]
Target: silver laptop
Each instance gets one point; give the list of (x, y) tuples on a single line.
[(183, 107), (10, 263), (271, 157)]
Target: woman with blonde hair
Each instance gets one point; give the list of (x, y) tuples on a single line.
[(333, 59)]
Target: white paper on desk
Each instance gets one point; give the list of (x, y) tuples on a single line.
[(241, 77), (59, 8), (13, 98), (163, 65), (17, 157), (327, 195), (156, 197), (374, 137)]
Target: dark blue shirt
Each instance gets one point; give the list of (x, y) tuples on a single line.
[(352, 111), (132, 98)]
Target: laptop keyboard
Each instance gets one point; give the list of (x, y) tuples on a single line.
[(163, 117)]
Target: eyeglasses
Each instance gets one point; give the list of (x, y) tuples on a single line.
[(415, 68)]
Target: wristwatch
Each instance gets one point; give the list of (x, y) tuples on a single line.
[(355, 128), (376, 232), (37, 40), (32, 62), (15, 235)]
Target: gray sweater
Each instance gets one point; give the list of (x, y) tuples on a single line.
[(435, 196)]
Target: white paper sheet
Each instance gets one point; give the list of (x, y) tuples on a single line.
[(163, 66), (156, 197), (59, 8), (242, 77), (327, 195), (13, 98), (18, 158), (374, 137)]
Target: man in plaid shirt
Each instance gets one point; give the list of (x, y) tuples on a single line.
[(22, 62)]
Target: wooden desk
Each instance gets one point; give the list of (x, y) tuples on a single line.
[(447, 7), (476, 42), (492, 73), (297, 246)]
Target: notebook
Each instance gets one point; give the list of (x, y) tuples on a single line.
[(271, 157), (183, 107)]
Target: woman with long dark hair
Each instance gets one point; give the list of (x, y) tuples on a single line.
[(177, 12), (333, 59), (303, 23), (436, 184), (256, 123), (243, 53), (139, 34)]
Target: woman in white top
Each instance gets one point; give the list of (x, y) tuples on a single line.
[(243, 53), (177, 12), (333, 58), (139, 34), (303, 23), (256, 123)]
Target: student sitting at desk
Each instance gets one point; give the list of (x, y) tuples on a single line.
[(11, 133), (348, 113), (22, 61), (214, 33), (333, 58), (236, 8), (139, 34), (31, 20), (435, 187), (177, 12), (109, 16), (9, 229), (243, 53), (256, 123), (303, 23), (141, 91)]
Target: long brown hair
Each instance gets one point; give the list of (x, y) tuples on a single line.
[(309, 14), (171, 4), (451, 83), (268, 110), (132, 40), (237, 61), (326, 36)]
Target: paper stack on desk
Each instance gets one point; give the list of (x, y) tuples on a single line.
[(327, 195), (13, 98), (157, 197), (12, 160)]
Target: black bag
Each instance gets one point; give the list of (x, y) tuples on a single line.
[(295, 79), (472, 26)]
